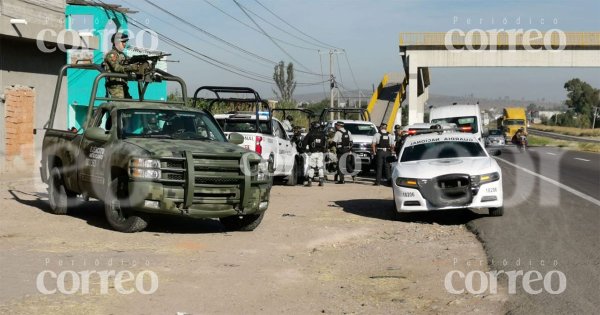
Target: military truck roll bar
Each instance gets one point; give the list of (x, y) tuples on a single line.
[(363, 113), (309, 113), (218, 98), (143, 80)]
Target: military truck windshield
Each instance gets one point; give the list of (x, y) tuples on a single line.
[(442, 150), (168, 124), (361, 129)]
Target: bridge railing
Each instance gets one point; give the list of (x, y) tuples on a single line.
[(485, 38)]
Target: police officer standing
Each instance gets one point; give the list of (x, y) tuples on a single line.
[(382, 147), (114, 61), (316, 144), (400, 136), (343, 145)]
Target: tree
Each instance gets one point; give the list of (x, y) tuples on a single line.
[(285, 85), (582, 98)]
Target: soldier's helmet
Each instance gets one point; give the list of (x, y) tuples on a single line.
[(119, 36), (396, 127), (315, 125)]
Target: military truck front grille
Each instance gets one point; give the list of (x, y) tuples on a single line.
[(173, 176), (216, 181), (174, 164)]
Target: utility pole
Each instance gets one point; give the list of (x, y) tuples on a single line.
[(334, 92), (595, 116)]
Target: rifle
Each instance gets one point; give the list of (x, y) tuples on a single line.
[(146, 65)]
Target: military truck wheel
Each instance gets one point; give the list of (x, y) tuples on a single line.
[(293, 178), (59, 196), (496, 212), (117, 213), (242, 222)]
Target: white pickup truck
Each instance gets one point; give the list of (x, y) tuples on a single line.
[(271, 142)]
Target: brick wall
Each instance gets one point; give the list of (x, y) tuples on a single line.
[(18, 124)]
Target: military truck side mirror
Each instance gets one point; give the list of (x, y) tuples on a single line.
[(236, 138), (96, 134)]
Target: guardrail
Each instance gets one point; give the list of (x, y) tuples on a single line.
[(479, 38)]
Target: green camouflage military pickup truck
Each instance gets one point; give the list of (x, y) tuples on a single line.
[(145, 158)]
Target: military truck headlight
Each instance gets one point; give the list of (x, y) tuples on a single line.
[(144, 168), (263, 171), (144, 163), (145, 173)]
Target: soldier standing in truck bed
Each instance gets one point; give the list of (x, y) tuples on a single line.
[(114, 61)]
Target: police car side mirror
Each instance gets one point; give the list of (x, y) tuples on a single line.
[(236, 138), (96, 134), (496, 152)]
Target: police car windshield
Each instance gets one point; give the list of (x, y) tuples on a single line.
[(150, 123), (469, 121), (495, 132), (442, 150), (243, 125), (360, 129)]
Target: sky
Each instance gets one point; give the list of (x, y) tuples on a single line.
[(368, 32)]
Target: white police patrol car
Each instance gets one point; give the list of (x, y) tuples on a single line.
[(446, 170)]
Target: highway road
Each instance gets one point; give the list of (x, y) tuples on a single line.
[(550, 223)]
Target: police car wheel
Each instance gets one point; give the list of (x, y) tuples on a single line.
[(117, 213), (293, 177)]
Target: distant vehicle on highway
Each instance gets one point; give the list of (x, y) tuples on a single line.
[(512, 119), (495, 137), (446, 170), (466, 117)]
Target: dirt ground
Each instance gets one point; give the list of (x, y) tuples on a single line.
[(329, 249)]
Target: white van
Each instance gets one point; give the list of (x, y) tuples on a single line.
[(466, 117)]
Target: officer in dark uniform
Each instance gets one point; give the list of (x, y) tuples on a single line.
[(343, 145), (114, 61), (399, 136), (382, 147), (315, 143)]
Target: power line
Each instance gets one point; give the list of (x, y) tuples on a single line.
[(222, 40), (295, 28), (351, 72), (208, 33), (260, 62), (255, 29), (272, 40), (280, 29)]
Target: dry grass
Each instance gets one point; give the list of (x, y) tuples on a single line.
[(570, 131), (549, 142)]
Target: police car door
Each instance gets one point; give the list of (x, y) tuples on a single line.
[(284, 150)]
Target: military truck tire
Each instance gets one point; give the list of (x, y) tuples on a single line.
[(293, 178), (116, 213), (496, 212), (242, 223), (59, 196)]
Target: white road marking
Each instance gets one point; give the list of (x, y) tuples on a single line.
[(553, 182), (582, 159), (550, 153)]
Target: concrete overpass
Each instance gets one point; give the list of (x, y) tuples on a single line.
[(478, 48)]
